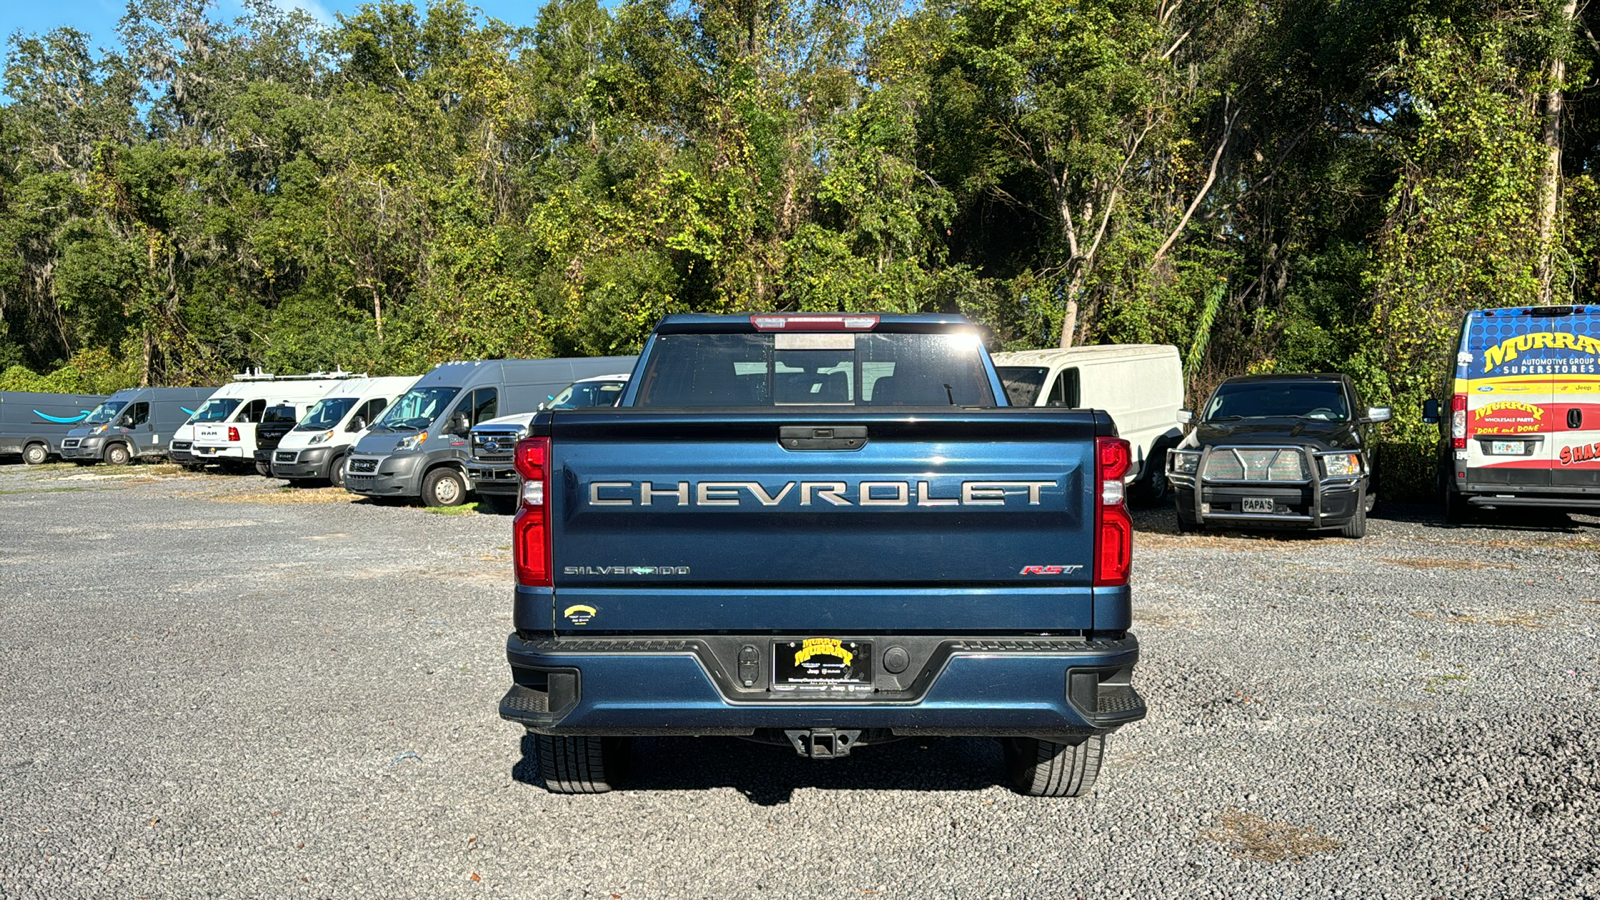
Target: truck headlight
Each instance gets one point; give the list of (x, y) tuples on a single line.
[(411, 442), (319, 438), (1184, 462), (1341, 465)]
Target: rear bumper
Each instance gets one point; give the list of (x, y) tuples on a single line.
[(203, 452), (181, 451), (1037, 687)]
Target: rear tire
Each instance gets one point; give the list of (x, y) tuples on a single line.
[(1040, 768), (336, 471), (582, 765), (1456, 509), (35, 454), (1357, 526), (118, 455), (444, 487)]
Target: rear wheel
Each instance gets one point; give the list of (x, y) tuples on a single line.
[(444, 487), (336, 471), (118, 455), (34, 454), (582, 765), (1357, 526), (1456, 510), (1041, 768)]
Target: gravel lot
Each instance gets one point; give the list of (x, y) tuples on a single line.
[(210, 686)]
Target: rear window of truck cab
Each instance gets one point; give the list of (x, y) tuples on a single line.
[(815, 368)]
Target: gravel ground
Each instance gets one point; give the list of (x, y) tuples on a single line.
[(213, 687)]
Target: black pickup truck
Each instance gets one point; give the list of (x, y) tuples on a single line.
[(1277, 451)]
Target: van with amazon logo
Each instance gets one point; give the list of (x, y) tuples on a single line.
[(1523, 427)]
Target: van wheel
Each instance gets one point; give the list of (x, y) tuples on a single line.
[(1041, 768), (336, 471), (1456, 509), (1357, 526), (582, 765), (444, 487), (35, 454), (118, 455)]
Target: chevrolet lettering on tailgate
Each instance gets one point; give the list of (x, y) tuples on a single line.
[(813, 493)]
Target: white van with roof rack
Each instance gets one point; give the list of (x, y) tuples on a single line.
[(224, 427)]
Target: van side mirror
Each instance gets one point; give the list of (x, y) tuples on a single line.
[(1185, 416), (1430, 412), (459, 425), (356, 424)]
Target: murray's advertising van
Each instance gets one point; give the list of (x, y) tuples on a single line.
[(1523, 426)]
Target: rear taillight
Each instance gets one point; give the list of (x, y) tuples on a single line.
[(1458, 421), (824, 322), (1113, 559), (530, 533), (233, 433)]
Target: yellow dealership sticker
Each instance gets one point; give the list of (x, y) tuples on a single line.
[(579, 614)]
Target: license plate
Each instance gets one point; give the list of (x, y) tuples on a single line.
[(820, 663), (1257, 505), (1507, 448)]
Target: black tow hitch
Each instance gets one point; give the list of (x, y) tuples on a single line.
[(822, 743)]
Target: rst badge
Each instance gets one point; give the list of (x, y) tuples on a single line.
[(1050, 570)]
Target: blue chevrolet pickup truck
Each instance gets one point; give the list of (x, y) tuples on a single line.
[(823, 531)]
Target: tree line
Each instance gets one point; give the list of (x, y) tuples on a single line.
[(1269, 185)]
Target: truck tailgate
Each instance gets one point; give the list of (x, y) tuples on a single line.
[(931, 521)]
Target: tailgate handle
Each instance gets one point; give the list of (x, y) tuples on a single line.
[(822, 437)]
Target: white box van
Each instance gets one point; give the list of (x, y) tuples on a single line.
[(1524, 421), (1139, 385), (315, 449), (225, 426)]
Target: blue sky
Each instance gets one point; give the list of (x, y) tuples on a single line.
[(98, 18)]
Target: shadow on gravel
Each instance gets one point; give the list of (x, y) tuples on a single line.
[(768, 775)]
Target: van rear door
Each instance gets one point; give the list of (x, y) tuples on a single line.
[(1575, 401), (1510, 392)]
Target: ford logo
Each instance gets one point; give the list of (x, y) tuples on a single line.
[(492, 446)]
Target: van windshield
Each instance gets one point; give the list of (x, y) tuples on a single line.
[(328, 412), (215, 410), (1023, 383), (105, 412), (417, 409)]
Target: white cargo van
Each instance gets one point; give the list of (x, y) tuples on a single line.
[(225, 426), (1139, 385), (315, 449)]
